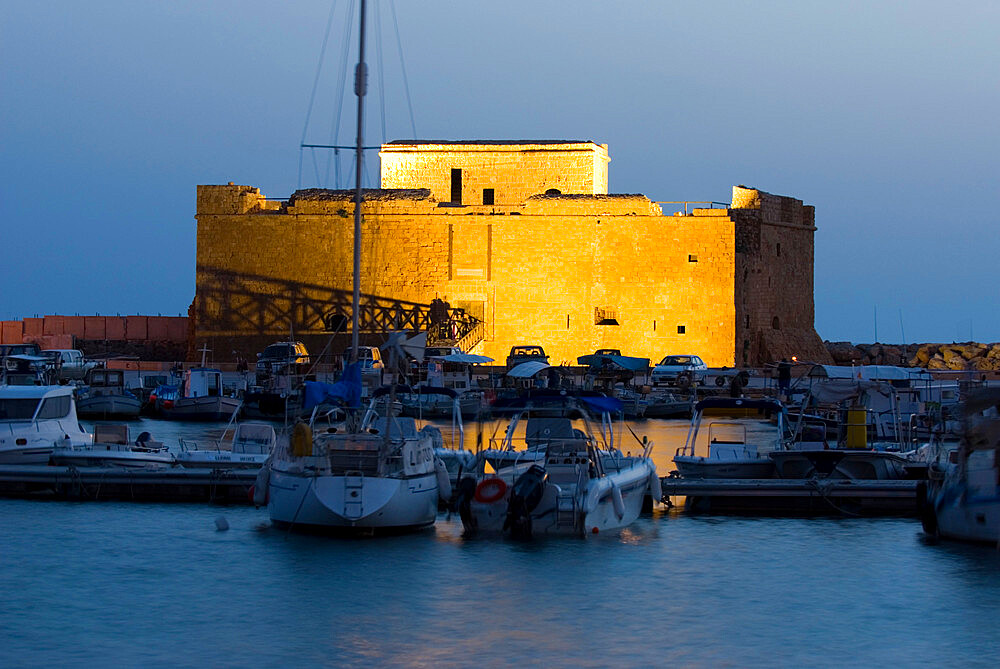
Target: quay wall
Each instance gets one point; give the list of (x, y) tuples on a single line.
[(149, 337)]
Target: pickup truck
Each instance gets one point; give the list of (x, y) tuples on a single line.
[(67, 363)]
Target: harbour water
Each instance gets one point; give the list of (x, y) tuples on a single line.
[(158, 585)]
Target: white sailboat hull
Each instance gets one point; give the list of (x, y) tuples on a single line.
[(305, 501)]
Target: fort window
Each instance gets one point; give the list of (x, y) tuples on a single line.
[(775, 323), (748, 320), (777, 249), (605, 316), (553, 191), (456, 186), (487, 195), (692, 257), (681, 329)]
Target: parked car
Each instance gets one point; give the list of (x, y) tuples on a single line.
[(672, 366), (520, 354), (67, 363), (278, 357)]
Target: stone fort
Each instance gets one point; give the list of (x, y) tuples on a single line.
[(523, 239)]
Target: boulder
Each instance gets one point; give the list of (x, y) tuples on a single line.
[(844, 352), (936, 362)]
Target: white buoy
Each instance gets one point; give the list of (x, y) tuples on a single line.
[(221, 524)]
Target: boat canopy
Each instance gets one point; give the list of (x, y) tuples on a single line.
[(870, 373), (527, 369), (464, 358), (830, 391), (346, 392), (623, 361)]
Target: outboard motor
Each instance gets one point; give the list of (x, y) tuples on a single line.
[(524, 497)]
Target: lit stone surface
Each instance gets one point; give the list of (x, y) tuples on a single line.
[(534, 267)]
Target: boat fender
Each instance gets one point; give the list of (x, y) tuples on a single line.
[(443, 480), (261, 486), (301, 440), (617, 501), (524, 498), (655, 488), (491, 490)]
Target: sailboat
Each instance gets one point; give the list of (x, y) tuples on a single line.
[(378, 474)]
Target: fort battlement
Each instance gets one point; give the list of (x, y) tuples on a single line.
[(547, 257)]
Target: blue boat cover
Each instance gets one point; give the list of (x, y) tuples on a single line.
[(346, 392)]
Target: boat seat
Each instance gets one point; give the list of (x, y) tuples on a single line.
[(111, 434)]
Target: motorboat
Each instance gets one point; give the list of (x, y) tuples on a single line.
[(200, 398), (105, 396), (447, 368), (576, 481), (248, 447), (861, 449), (667, 405), (379, 476), (963, 496), (34, 420), (112, 447), (738, 434)]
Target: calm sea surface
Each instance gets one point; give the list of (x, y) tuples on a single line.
[(157, 585)]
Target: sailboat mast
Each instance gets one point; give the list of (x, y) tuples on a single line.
[(360, 88)]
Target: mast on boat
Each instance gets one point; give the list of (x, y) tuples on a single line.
[(360, 86)]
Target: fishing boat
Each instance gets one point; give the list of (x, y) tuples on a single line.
[(737, 436), (963, 496), (200, 398), (581, 483), (382, 476), (249, 446), (105, 396), (112, 447), (34, 420)]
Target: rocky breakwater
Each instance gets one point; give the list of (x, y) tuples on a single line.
[(968, 356)]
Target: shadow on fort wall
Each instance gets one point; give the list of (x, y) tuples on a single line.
[(238, 314)]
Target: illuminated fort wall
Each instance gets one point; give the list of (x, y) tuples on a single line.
[(573, 272)]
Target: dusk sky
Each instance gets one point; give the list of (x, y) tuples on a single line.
[(882, 115)]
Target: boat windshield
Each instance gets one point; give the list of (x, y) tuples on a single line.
[(18, 409)]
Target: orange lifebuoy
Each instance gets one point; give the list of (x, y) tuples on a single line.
[(491, 490)]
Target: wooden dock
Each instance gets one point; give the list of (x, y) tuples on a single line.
[(172, 484), (806, 496)]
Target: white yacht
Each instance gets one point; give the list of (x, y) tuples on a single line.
[(112, 447), (248, 448), (581, 483), (382, 476), (963, 496), (34, 420), (738, 434)]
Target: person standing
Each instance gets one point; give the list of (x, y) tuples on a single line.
[(784, 376)]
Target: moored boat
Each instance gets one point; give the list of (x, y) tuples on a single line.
[(248, 448), (577, 482), (105, 396), (112, 447), (34, 420), (200, 398)]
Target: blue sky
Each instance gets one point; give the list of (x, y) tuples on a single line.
[(882, 115)]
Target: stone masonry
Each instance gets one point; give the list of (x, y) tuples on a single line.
[(574, 270)]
